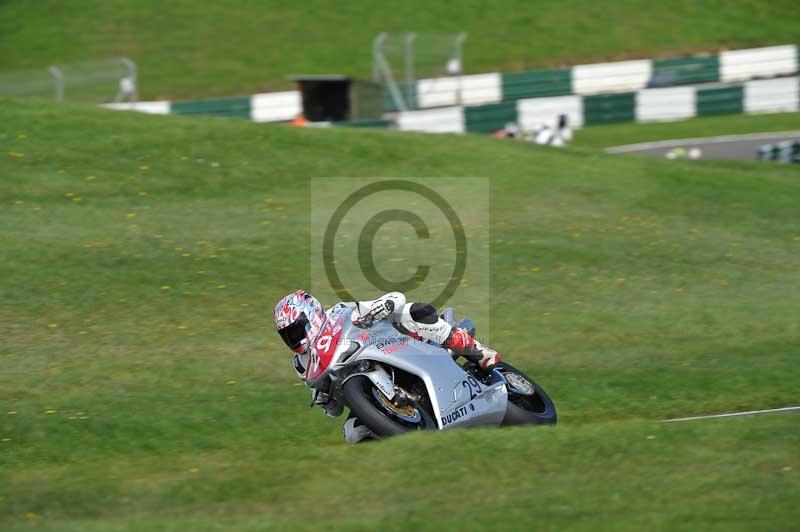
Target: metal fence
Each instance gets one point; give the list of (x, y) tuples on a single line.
[(399, 60), (110, 80)]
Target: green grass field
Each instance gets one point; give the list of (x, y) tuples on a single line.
[(186, 49), (143, 388)]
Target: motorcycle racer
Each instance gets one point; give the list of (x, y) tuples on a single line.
[(299, 318)]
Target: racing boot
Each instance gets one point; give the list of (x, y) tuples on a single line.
[(462, 343), (355, 432)]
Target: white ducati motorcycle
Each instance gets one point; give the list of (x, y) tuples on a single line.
[(393, 383)]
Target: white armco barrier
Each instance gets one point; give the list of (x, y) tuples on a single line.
[(443, 120), (533, 112), (772, 95), (460, 90), (275, 106), (437, 92), (736, 65), (611, 77), (673, 103), (481, 88), (154, 108)]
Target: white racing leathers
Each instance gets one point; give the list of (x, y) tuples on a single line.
[(421, 320)]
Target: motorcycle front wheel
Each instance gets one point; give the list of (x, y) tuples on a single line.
[(525, 408), (375, 411)]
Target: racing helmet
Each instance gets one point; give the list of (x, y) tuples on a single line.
[(298, 319)]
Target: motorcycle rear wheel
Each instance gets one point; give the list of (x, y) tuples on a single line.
[(360, 397), (536, 409)]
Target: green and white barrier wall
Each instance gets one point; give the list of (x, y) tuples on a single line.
[(588, 94), (265, 107), (619, 76), (646, 105)]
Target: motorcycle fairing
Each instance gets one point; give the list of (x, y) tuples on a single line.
[(457, 398), (324, 346)]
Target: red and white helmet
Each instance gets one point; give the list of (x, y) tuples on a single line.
[(299, 318)]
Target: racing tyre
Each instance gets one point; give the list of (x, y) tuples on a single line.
[(528, 403), (375, 411)]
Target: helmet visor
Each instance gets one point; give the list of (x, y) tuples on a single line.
[(294, 334)]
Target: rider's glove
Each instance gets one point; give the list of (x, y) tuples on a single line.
[(380, 309)]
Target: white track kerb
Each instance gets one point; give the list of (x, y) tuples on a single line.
[(721, 139), (737, 414)]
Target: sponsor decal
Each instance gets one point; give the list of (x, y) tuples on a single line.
[(385, 387), (458, 413), (389, 345)]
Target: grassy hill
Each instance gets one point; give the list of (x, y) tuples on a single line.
[(202, 49), (143, 388)]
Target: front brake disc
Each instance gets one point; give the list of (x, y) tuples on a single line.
[(406, 413), (518, 384)]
